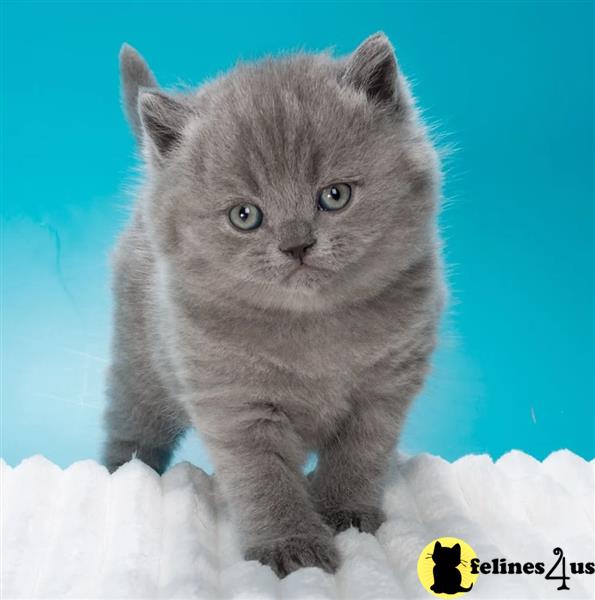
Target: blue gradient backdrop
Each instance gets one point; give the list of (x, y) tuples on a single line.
[(510, 84)]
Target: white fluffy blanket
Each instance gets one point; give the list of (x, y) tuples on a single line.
[(81, 533)]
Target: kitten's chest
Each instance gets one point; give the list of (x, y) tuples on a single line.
[(310, 365), (336, 348), (318, 364)]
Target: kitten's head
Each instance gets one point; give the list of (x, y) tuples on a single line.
[(300, 182)]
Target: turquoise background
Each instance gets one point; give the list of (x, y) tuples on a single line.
[(510, 85)]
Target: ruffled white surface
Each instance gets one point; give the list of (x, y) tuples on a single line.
[(82, 533)]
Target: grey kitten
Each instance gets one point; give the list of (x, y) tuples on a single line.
[(278, 288)]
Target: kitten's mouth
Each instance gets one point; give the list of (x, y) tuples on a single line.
[(305, 272)]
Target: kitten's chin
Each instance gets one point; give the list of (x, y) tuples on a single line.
[(301, 299), (303, 291)]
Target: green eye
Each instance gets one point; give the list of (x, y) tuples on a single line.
[(245, 217), (334, 197)]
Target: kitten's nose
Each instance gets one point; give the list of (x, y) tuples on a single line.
[(298, 251)]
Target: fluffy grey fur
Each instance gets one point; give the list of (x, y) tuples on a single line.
[(223, 330)]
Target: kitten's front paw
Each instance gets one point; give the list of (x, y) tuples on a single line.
[(289, 554), (367, 519)]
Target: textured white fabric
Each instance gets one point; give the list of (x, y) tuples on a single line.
[(82, 533)]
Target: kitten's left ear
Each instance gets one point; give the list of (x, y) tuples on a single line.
[(373, 69)]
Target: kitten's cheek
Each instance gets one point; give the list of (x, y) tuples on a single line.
[(169, 236)]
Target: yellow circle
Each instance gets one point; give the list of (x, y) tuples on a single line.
[(438, 564)]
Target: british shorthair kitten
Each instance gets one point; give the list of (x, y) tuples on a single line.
[(278, 288)]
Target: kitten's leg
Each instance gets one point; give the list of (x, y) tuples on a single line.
[(258, 459), (348, 482), (141, 420)]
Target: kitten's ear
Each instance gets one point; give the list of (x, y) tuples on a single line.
[(373, 69), (457, 549), (134, 75), (437, 546), (163, 119)]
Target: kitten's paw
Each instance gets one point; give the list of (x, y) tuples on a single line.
[(118, 452), (292, 553), (367, 519)]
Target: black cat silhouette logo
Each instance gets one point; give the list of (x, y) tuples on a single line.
[(444, 568)]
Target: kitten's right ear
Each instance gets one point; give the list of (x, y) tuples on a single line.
[(134, 75)]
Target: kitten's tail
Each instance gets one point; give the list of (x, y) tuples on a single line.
[(462, 589), (135, 74)]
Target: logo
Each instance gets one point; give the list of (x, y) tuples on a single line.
[(444, 567), (448, 567)]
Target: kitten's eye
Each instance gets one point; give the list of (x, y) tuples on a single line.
[(334, 197), (245, 217)]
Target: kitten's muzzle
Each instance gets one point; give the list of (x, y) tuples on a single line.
[(298, 251)]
